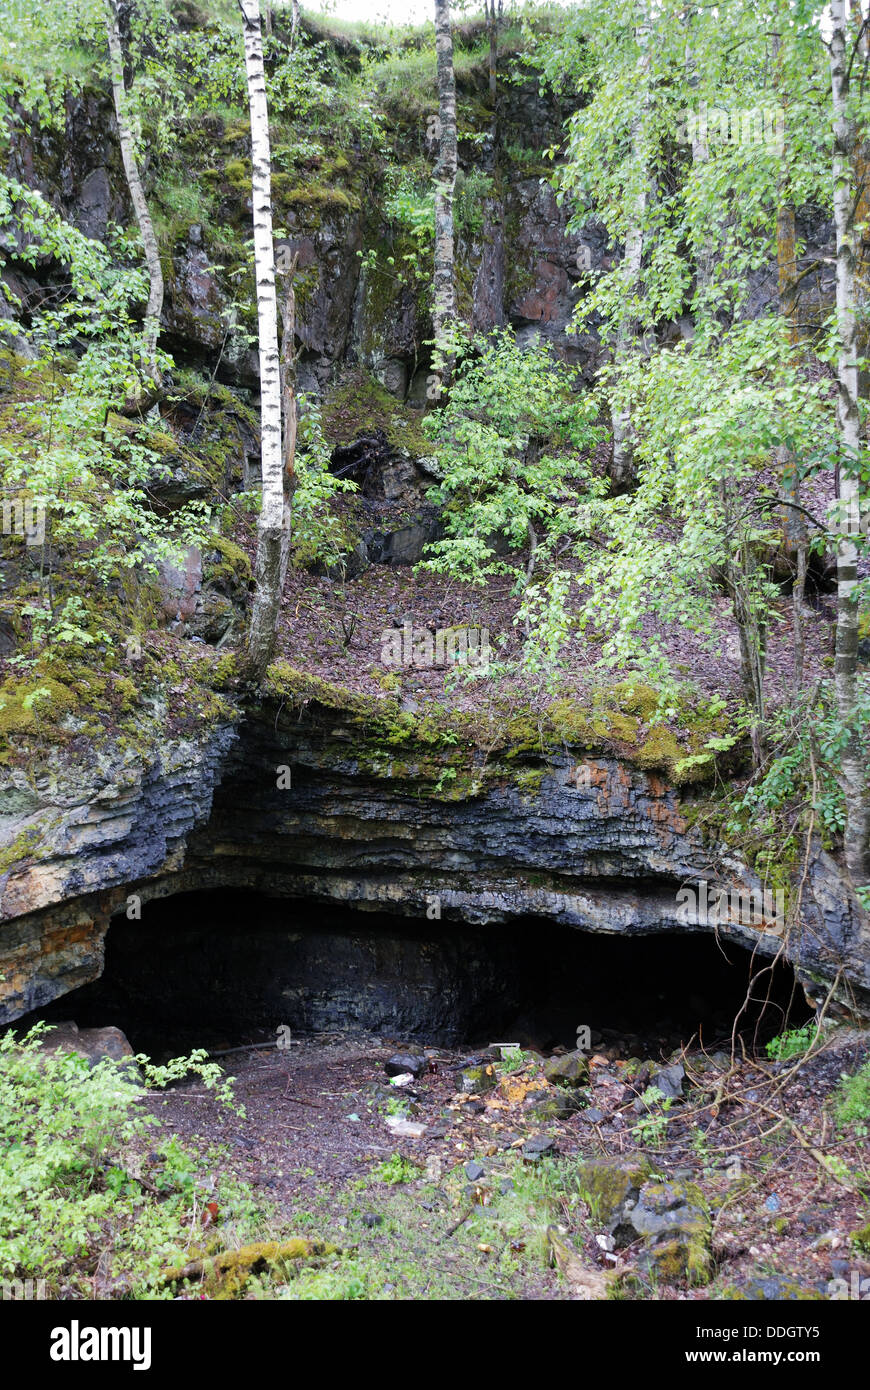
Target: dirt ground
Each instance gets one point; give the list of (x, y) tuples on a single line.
[(332, 1147)]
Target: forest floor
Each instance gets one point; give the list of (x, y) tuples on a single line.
[(339, 630), (429, 1191)]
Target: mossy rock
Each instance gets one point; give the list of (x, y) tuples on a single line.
[(637, 699), (233, 567), (28, 706), (659, 749), (359, 405), (19, 849), (674, 1220), (225, 1276), (473, 1081), (683, 1258), (571, 1069), (607, 1183), (860, 1239), (775, 1288)]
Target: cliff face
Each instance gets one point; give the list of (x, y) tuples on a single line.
[(516, 262), (67, 858), (313, 803), (378, 818)]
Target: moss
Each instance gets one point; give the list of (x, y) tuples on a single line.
[(684, 1258), (234, 564), (659, 749), (606, 1183), (623, 727), (530, 779), (388, 680), (226, 1276), (238, 175), (22, 847), (29, 705), (288, 193), (637, 699), (359, 405), (860, 1239), (571, 723)]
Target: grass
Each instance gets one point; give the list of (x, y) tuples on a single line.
[(397, 1246)]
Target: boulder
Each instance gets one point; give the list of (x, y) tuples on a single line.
[(571, 1069), (474, 1080), (669, 1081), (91, 1043), (608, 1183), (673, 1220), (405, 1062)]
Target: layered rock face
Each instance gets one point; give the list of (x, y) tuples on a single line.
[(303, 805), (67, 857)]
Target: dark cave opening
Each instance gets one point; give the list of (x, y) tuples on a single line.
[(225, 967)]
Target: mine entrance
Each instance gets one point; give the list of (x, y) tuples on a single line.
[(221, 968)]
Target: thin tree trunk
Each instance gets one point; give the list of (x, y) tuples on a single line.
[(445, 182), (857, 831), (700, 156), (622, 470), (751, 633), (154, 309), (492, 26), (272, 545), (289, 416), (794, 521)]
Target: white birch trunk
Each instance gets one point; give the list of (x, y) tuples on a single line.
[(857, 832), (274, 519), (445, 183), (622, 466)]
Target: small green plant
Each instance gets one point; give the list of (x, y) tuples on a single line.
[(852, 1101), (396, 1169), (318, 535), (396, 1105), (209, 1073), (652, 1127), (513, 1061), (791, 1044)]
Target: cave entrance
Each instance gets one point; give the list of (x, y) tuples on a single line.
[(221, 968)]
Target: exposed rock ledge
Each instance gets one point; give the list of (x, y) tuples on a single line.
[(372, 826)]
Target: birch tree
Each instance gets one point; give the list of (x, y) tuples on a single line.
[(274, 522), (622, 466), (445, 182), (855, 778), (154, 307), (794, 521)]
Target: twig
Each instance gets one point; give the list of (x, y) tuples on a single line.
[(455, 1227)]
